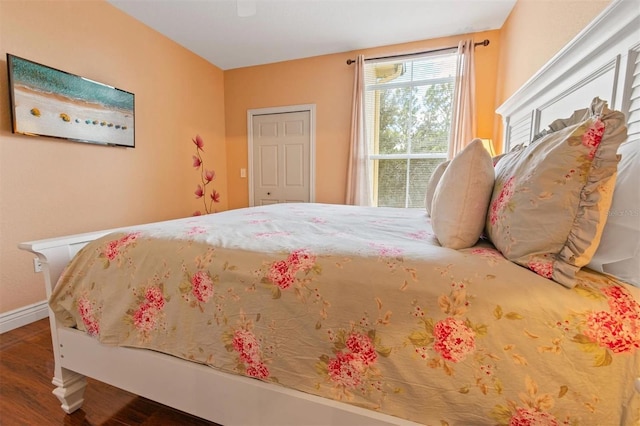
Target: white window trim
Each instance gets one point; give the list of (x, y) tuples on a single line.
[(394, 85)]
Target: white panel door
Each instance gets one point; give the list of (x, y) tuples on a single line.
[(281, 158)]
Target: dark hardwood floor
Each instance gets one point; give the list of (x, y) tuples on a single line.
[(26, 370)]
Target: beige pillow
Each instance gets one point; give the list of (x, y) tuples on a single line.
[(551, 198), (462, 197), (433, 183)]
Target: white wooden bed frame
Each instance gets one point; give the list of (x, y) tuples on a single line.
[(600, 61)]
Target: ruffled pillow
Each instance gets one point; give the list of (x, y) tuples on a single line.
[(550, 200)]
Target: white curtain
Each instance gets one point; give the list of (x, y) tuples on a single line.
[(463, 127), (359, 186)]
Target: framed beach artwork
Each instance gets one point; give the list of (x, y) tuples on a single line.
[(49, 102)]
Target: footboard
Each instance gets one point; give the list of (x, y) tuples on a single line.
[(54, 254)]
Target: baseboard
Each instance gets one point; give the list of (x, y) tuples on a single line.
[(23, 316)]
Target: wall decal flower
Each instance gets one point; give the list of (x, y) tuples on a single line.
[(206, 177)]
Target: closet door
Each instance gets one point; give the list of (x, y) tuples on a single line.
[(281, 149)]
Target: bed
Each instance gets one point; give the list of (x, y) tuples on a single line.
[(321, 314)]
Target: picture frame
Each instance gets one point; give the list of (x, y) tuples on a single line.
[(46, 101)]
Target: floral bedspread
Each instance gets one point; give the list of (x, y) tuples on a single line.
[(362, 305)]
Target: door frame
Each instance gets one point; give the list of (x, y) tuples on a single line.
[(311, 108)]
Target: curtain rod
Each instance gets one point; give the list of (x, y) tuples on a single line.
[(485, 42)]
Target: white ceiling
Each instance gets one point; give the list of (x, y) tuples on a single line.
[(282, 30)]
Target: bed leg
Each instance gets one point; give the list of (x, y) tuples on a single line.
[(70, 390)]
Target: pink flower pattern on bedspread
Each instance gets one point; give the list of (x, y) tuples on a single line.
[(113, 249), (248, 348), (283, 272), (89, 314), (148, 314), (392, 323), (353, 367), (453, 339), (202, 286), (616, 329)]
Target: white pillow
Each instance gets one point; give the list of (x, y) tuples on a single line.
[(619, 251), (433, 183), (462, 196)]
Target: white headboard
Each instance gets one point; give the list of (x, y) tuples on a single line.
[(602, 60)]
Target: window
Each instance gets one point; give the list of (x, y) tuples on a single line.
[(408, 105)]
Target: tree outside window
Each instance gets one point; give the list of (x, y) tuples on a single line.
[(408, 119)]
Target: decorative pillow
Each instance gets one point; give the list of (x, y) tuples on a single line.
[(497, 158), (433, 182), (560, 123), (462, 197), (619, 251), (551, 198)]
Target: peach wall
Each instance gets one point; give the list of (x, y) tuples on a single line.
[(327, 81), (534, 32), (49, 187)]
